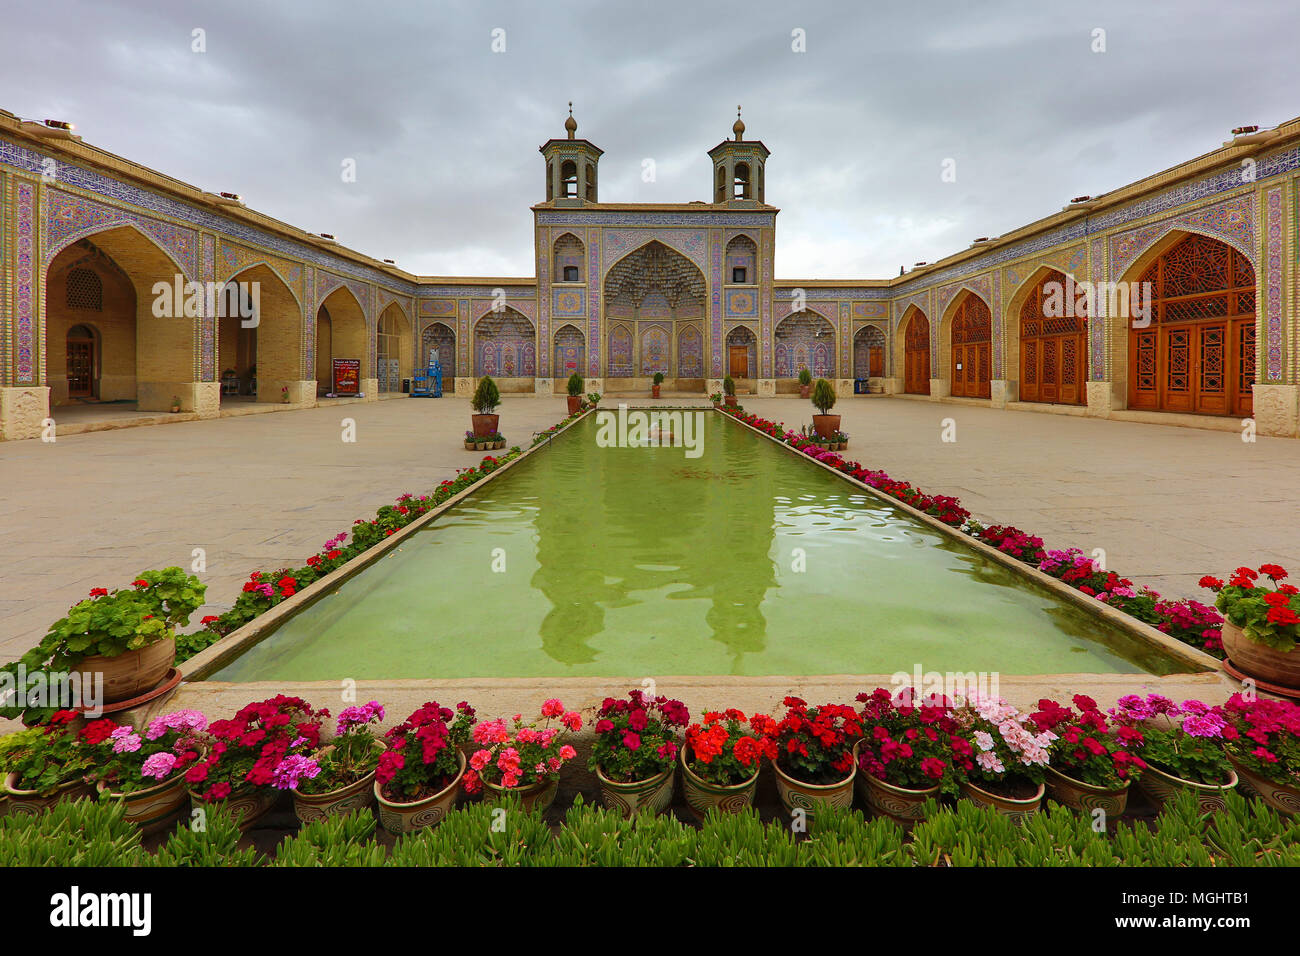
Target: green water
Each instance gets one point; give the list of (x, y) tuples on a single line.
[(641, 561)]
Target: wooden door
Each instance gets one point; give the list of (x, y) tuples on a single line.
[(916, 356), (739, 361), (81, 368), (972, 338)]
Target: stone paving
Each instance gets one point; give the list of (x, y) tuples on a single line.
[(1167, 504)]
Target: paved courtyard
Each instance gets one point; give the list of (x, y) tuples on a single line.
[(1166, 504)]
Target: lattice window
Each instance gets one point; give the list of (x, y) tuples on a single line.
[(1246, 359), (1212, 359), (972, 322), (85, 290), (1069, 362), (1201, 278), (918, 333)]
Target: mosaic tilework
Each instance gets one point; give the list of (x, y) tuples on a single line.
[(67, 217), (24, 279), (619, 364), (870, 310), (542, 296), (437, 307), (207, 365), (921, 300), (1233, 221), (235, 259), (741, 302), (309, 325), (594, 289), (642, 220), (1072, 261), (692, 243), (567, 302), (690, 352), (999, 327), (715, 300), (1273, 239), (6, 273), (1099, 272), (463, 338), (765, 254)]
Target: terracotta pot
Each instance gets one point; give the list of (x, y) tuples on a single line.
[(654, 793), (359, 795), (538, 796), (155, 808), (470, 446), (1017, 810), (131, 673), (1084, 797), (1259, 660), (1284, 798), (654, 390), (399, 818), (249, 804), (805, 391), (30, 803), (1160, 786), (730, 400), (485, 425), (900, 804), (575, 404), (797, 795), (826, 425), (701, 795)]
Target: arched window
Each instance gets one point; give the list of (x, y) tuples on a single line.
[(742, 261), (85, 290), (591, 182), (741, 190), (569, 179), (568, 253)]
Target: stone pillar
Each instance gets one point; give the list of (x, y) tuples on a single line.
[(23, 409), (1002, 391), (207, 398), (1277, 410), (940, 388), (369, 389), (1104, 398)]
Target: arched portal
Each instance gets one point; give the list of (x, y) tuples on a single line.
[(972, 342), (869, 352), (805, 340), (392, 348), (570, 353), (916, 352), (505, 345), (1198, 352), (349, 338), (742, 353), (1054, 343), (440, 338), (259, 336), (654, 309)]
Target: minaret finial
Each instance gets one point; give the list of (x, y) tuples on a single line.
[(739, 127), (571, 124)]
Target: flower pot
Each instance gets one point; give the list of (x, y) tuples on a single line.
[(249, 804), (654, 390), (701, 795), (30, 803), (826, 425), (358, 795), (654, 793), (901, 804), (730, 401), (1284, 798), (1259, 660), (485, 425), (1017, 809), (536, 796), (1084, 797), (499, 444), (155, 808), (399, 818), (575, 404), (470, 446), (805, 391), (810, 797), (1160, 786), (130, 673)]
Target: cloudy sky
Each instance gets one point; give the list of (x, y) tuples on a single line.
[(444, 130)]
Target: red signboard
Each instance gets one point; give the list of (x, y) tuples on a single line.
[(347, 376)]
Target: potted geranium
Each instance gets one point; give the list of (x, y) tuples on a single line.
[(658, 381), (126, 636), (575, 393), (254, 755), (593, 399), (1262, 624), (716, 399), (49, 767), (1009, 756), (721, 761), (823, 399), (485, 401), (420, 773), (347, 763), (635, 751), (1263, 743), (910, 752), (176, 404), (729, 391), (814, 755), (471, 441), (146, 771), (523, 759), (1091, 764), (1182, 745), (805, 381)]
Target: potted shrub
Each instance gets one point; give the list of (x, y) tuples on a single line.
[(840, 441), (485, 401), (593, 399), (347, 766), (575, 393), (1182, 745), (126, 635), (729, 391), (805, 381), (176, 404), (716, 399), (523, 759), (823, 399), (498, 440), (658, 381), (49, 766), (146, 771), (721, 761), (814, 764), (635, 751), (1008, 756), (1091, 765), (1261, 624), (421, 770), (1263, 744), (254, 755), (910, 752)]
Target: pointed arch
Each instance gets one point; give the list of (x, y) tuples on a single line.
[(267, 356), (912, 352), (804, 339), (1047, 338), (505, 345), (393, 360), (349, 331), (440, 337), (966, 345), (570, 351), (568, 259), (869, 352)]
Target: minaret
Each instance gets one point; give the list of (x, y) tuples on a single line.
[(570, 167), (738, 168)]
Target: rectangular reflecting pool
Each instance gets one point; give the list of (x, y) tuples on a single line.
[(585, 560)]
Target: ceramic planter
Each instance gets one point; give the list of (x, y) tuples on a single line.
[(810, 797), (155, 808), (537, 796), (900, 804), (399, 818), (1160, 786), (359, 795), (730, 400), (249, 804), (30, 803), (575, 404), (1017, 810), (470, 446), (701, 795), (826, 426), (654, 793), (1084, 797), (131, 673), (499, 444), (805, 391), (1284, 798), (485, 425), (1259, 660)]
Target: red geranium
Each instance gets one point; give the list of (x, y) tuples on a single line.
[(1087, 747), (815, 744)]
